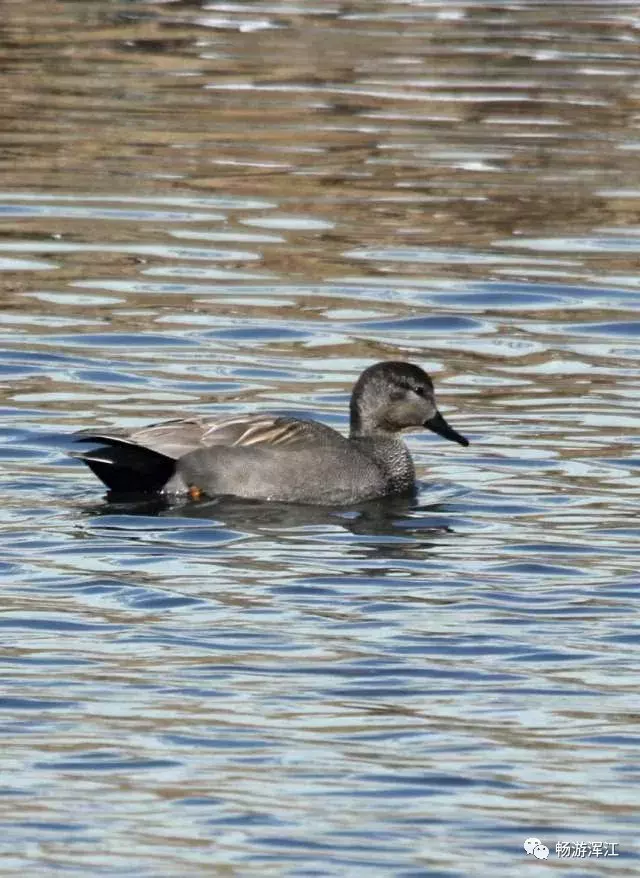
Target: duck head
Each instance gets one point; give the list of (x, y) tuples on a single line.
[(393, 395)]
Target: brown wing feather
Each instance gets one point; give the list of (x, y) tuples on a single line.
[(254, 430), (178, 437)]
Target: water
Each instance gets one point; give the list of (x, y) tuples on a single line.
[(230, 207)]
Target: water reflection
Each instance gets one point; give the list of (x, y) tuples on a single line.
[(402, 520)]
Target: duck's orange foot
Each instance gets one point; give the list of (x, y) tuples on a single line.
[(194, 492)]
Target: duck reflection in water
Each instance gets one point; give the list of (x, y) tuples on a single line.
[(394, 524)]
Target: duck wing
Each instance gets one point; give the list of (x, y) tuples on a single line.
[(175, 438)]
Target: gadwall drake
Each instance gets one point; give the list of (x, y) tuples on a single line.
[(268, 457)]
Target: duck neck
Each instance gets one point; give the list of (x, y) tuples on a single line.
[(363, 426), (389, 453), (355, 421)]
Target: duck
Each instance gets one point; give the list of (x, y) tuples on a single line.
[(260, 456)]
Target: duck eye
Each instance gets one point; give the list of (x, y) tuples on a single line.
[(419, 389)]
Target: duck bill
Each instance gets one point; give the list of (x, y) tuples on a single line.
[(438, 424)]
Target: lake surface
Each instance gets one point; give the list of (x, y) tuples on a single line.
[(220, 207)]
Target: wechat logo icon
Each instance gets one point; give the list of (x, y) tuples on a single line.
[(534, 846)]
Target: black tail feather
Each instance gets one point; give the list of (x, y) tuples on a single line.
[(129, 469)]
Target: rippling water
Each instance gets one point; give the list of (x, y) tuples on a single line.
[(238, 206)]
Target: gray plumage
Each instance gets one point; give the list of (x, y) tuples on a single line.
[(269, 457)]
